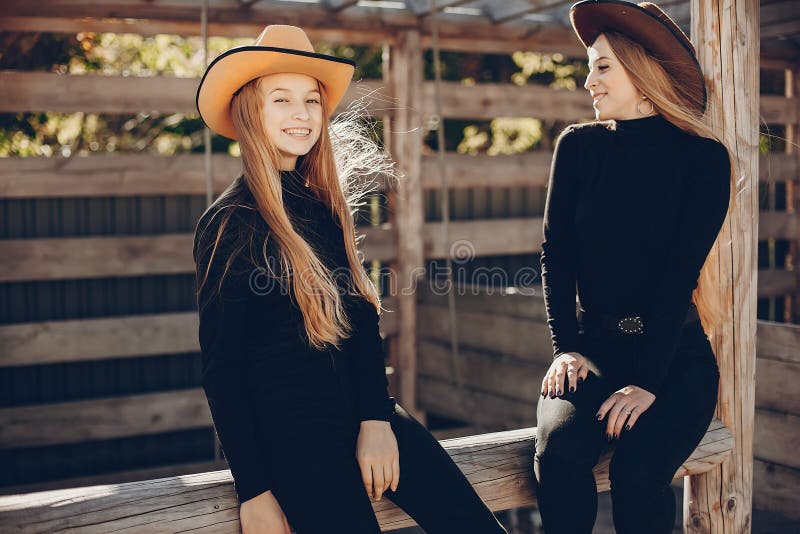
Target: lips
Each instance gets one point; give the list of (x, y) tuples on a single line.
[(598, 97)]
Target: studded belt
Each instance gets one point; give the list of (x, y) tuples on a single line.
[(632, 325)]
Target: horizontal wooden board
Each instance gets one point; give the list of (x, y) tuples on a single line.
[(34, 91), (96, 339), (777, 384), (104, 418), (778, 341), (119, 175), (496, 464), (776, 438), (775, 488)]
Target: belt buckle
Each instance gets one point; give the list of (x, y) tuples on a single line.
[(631, 325)]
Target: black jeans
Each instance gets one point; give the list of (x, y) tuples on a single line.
[(311, 447), (570, 440)]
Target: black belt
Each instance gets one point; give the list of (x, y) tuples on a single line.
[(631, 325)]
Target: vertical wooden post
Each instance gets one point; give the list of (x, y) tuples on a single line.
[(726, 36), (406, 145)]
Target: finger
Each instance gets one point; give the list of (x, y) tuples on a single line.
[(583, 372), (616, 417), (395, 473), (572, 377), (377, 481), (633, 418), (387, 475), (601, 412), (366, 477), (559, 382), (545, 381)]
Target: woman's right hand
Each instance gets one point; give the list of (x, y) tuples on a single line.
[(263, 515), (570, 365)]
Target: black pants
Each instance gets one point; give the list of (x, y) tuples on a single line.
[(310, 435), (570, 440)]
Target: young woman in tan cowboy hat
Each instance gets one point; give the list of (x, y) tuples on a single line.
[(635, 202), (293, 366)]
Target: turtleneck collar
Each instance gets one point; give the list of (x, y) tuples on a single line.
[(650, 125)]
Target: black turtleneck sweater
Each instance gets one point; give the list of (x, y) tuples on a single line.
[(254, 316), (630, 218)]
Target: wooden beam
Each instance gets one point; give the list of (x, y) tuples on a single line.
[(727, 43), (107, 418), (405, 63), (496, 464)]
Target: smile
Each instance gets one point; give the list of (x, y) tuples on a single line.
[(300, 133), (598, 98)]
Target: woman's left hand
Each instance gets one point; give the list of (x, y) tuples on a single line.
[(627, 403), (378, 457)]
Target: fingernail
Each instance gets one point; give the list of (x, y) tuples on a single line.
[(572, 388), (599, 416), (558, 391), (627, 427), (608, 436), (615, 435), (580, 379)]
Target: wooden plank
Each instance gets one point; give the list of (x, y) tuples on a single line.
[(777, 167), (775, 488), (778, 225), (776, 282), (120, 175), (120, 256), (777, 109), (119, 477), (777, 438), (776, 386), (779, 341), (514, 337), (105, 418), (510, 301), (33, 91), (486, 237), (496, 464), (491, 373), (357, 25), (94, 339)]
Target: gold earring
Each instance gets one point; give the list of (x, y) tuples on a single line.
[(652, 106)]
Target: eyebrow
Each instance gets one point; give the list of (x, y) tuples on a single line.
[(601, 57), (289, 90)]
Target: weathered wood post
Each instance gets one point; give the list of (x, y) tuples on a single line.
[(726, 36), (406, 147)]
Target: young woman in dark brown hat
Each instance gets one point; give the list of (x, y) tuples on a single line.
[(635, 202), (293, 365)]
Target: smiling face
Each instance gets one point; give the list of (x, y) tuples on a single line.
[(613, 94), (292, 114)]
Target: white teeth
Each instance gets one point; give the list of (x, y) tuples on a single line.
[(298, 132)]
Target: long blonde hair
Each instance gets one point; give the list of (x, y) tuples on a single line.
[(676, 105), (331, 168)]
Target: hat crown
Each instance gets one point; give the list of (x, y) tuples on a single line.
[(285, 36)]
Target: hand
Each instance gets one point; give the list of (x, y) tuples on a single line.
[(263, 515), (572, 365), (378, 457), (628, 403)]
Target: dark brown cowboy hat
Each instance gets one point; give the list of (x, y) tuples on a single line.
[(646, 24)]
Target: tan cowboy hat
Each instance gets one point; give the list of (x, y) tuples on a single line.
[(279, 48), (646, 24)]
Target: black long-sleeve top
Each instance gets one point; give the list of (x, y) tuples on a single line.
[(630, 217), (253, 312)]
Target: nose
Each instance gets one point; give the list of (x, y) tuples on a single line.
[(590, 81), (300, 112)]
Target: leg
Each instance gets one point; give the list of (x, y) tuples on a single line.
[(320, 491), (647, 457), (432, 488), (569, 441)]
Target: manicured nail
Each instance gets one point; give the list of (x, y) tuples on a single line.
[(615, 435), (599, 416), (608, 436), (580, 379), (572, 388), (627, 427), (558, 391)]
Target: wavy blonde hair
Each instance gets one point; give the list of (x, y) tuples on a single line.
[(343, 153), (677, 105)]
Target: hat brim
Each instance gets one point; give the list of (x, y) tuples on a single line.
[(590, 18), (232, 69)]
